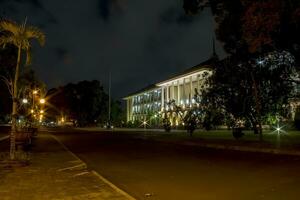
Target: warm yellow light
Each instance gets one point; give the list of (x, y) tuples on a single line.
[(34, 91), (62, 119), (31, 111), (42, 101), (42, 111), (25, 101)]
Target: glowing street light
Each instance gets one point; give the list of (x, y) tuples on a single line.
[(42, 101), (34, 92), (278, 130), (25, 101)]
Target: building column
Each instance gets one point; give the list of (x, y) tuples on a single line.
[(168, 94), (128, 117), (131, 109), (173, 91), (183, 91), (191, 89), (178, 92), (162, 98), (198, 82)]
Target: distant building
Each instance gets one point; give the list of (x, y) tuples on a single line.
[(149, 104)]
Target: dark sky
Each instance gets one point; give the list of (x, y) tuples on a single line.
[(139, 41)]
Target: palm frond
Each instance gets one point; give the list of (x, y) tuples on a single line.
[(35, 33), (7, 40), (10, 26), (25, 44)]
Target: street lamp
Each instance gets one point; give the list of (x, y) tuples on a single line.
[(25, 101), (42, 101), (145, 124)]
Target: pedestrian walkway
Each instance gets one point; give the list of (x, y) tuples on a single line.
[(54, 173)]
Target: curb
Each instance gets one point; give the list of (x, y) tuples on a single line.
[(80, 166), (113, 186), (4, 138)]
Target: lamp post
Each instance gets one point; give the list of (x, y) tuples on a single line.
[(42, 101), (37, 111)]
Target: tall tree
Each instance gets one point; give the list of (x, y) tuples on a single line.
[(255, 89), (19, 36), (84, 102), (254, 26), (250, 30)]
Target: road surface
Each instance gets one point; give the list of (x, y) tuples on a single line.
[(149, 169)]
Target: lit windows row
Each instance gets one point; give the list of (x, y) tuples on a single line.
[(141, 108), (146, 97)]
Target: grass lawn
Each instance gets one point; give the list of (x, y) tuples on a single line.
[(284, 139)]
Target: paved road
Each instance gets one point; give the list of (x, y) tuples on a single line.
[(4, 131), (174, 172)]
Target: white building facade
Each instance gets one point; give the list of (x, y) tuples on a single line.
[(150, 104)]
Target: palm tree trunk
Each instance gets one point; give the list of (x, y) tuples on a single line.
[(14, 108)]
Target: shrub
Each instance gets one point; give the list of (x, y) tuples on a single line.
[(237, 132), (167, 125)]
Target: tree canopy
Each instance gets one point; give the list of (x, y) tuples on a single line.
[(85, 103), (253, 90), (251, 26)]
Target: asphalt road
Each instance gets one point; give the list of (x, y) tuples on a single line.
[(148, 169), (4, 131)]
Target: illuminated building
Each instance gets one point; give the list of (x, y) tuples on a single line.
[(151, 103)]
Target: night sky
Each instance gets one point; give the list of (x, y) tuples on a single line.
[(139, 41)]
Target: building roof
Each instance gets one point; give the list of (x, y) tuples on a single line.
[(140, 91), (208, 64)]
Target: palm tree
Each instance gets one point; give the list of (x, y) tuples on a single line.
[(19, 36)]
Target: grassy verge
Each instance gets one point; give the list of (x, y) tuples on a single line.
[(284, 139)]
